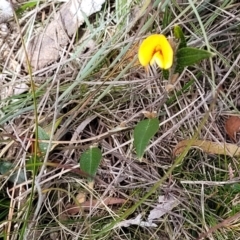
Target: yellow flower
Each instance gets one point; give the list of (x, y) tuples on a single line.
[(156, 49)]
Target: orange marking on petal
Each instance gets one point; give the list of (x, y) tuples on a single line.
[(156, 49)]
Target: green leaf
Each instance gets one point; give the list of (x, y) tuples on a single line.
[(188, 56), (42, 135), (178, 33), (26, 6), (90, 160), (143, 132), (48, 128), (236, 188), (6, 169)]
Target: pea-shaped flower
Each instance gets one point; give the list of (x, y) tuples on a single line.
[(156, 49)]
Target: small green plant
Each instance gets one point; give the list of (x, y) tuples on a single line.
[(89, 162), (172, 57), (43, 135), (143, 132)]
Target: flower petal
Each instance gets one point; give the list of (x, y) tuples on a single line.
[(156, 48), (158, 58)]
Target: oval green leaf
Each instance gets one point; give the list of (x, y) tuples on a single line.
[(42, 135), (90, 160), (188, 56), (178, 33), (143, 132), (6, 168)]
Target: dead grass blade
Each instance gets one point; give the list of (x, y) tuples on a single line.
[(208, 147)]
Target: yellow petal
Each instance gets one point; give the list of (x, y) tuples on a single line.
[(158, 58), (156, 48)]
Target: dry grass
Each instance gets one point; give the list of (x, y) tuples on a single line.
[(87, 95)]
